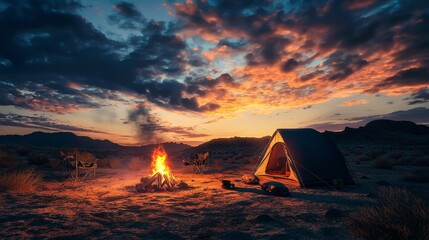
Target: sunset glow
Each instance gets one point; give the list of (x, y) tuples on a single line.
[(141, 72)]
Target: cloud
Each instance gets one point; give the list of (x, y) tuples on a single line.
[(231, 43), (307, 107), (151, 128), (47, 47), (290, 65), (306, 51), (41, 122), (127, 10), (354, 103), (127, 16), (341, 65), (409, 77), (213, 120), (421, 96), (341, 48)]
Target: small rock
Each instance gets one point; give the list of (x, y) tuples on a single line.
[(334, 213)]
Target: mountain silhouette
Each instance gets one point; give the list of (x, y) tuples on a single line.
[(384, 132), (71, 140)]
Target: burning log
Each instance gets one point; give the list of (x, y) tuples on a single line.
[(161, 179)]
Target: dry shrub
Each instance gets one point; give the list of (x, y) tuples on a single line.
[(115, 163), (82, 155), (20, 180), (382, 163), (396, 155), (362, 158), (7, 160), (375, 154), (135, 163), (38, 159), (24, 150), (421, 161), (420, 176), (397, 214), (55, 163), (231, 161)]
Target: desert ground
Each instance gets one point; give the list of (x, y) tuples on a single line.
[(108, 207)]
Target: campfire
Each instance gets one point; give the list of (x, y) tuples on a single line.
[(161, 179)]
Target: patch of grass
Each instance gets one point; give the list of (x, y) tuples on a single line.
[(20, 180), (419, 176), (7, 160), (23, 150), (382, 163), (398, 158), (421, 161), (376, 153), (55, 163), (397, 214), (231, 161), (82, 155), (362, 158)]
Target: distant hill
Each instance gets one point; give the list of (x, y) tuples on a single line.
[(235, 146), (377, 131), (70, 140), (383, 132)]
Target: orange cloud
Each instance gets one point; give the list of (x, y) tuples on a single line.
[(354, 103)]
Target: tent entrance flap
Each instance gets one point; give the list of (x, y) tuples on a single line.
[(278, 163)]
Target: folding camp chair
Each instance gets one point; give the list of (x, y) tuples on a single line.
[(200, 162), (89, 168), (74, 167)]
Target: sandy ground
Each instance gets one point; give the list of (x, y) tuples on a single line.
[(106, 207)]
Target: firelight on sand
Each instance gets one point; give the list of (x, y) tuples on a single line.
[(161, 179)]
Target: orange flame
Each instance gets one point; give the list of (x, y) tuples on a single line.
[(159, 156)]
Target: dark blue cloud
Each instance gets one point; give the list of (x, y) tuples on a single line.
[(421, 96), (46, 45)]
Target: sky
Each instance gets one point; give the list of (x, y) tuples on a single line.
[(140, 72)]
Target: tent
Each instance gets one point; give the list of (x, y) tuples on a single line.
[(305, 157)]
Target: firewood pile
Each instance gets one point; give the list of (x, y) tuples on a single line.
[(160, 182)]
